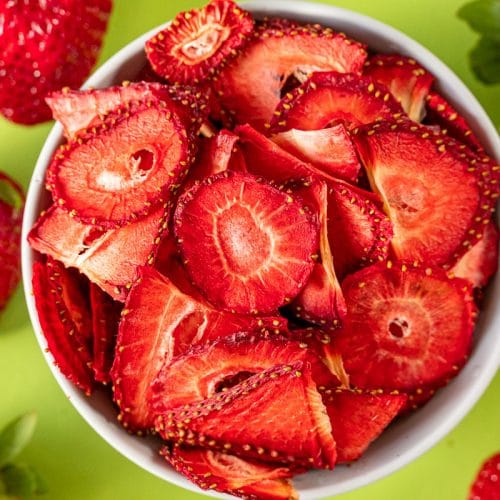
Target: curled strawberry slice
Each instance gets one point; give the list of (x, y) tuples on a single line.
[(277, 416), (407, 327), (330, 97), (253, 247), (11, 214), (198, 42), (125, 168), (407, 81), (438, 197), (230, 474), (251, 85)]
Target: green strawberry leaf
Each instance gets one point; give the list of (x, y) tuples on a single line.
[(15, 436), (483, 16), (21, 480), (485, 60)]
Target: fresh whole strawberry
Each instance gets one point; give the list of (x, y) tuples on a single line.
[(46, 45), (486, 486)]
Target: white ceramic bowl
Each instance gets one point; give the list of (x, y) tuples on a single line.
[(408, 438)]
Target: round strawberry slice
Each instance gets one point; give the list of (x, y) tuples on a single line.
[(486, 485), (247, 245), (197, 42), (123, 169), (330, 97), (406, 327)]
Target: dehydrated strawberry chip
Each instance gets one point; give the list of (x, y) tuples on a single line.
[(230, 474), (159, 323), (125, 168), (70, 356), (206, 369), (253, 247), (359, 417), (248, 419), (11, 214), (330, 97), (106, 257), (250, 86), (438, 197), (330, 150), (407, 327), (198, 42), (407, 81), (485, 486), (441, 113)]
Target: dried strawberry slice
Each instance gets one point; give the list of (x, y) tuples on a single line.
[(330, 97), (206, 369), (11, 214), (251, 85), (252, 251), (358, 418), (424, 179), (480, 263), (485, 486), (330, 150), (161, 322), (106, 257), (69, 355), (407, 327), (407, 81), (125, 168), (105, 318), (197, 43), (440, 112), (212, 470), (276, 415)]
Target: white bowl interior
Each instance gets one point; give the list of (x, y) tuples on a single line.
[(406, 439)]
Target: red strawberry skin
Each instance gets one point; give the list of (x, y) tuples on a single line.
[(486, 486), (46, 46)]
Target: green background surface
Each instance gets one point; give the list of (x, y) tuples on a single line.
[(74, 460)]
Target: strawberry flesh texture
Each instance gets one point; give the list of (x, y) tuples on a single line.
[(407, 81), (407, 328), (197, 42), (486, 483), (358, 418), (69, 355), (106, 257), (161, 322), (253, 245), (250, 86), (250, 418), (330, 150), (105, 318), (230, 474), (201, 371), (330, 97), (434, 195), (11, 215), (46, 46), (123, 169)]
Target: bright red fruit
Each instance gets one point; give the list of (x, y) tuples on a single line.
[(486, 486), (46, 46), (253, 244)]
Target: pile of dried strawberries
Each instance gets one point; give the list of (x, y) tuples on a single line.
[(270, 245)]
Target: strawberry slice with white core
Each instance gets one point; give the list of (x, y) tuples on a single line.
[(249, 420), (407, 81), (436, 197), (106, 257), (253, 247), (124, 168), (230, 474), (207, 369), (198, 42), (330, 97), (250, 86), (330, 149), (407, 327), (161, 322)]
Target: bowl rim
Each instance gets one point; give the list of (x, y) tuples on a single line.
[(467, 105)]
